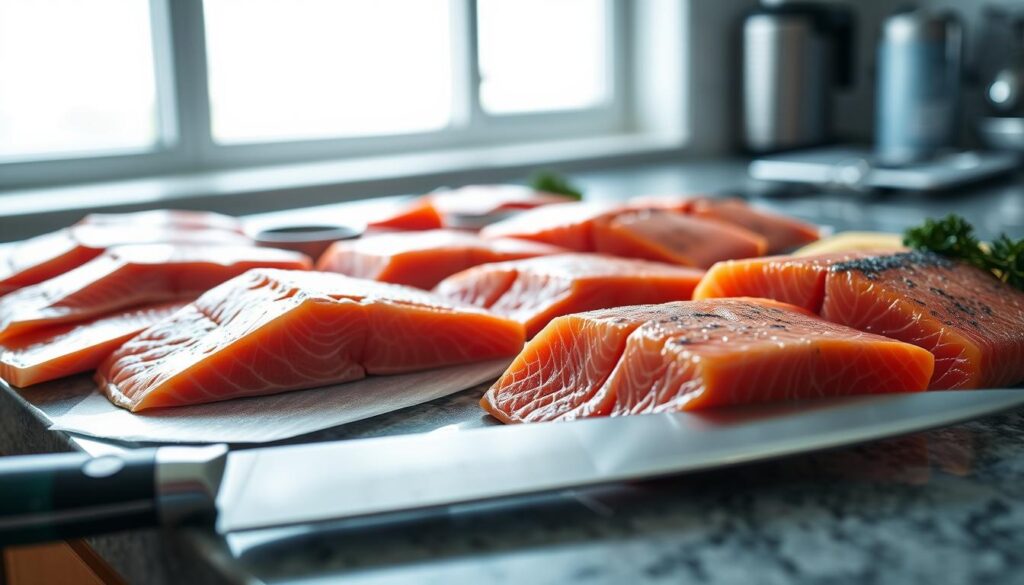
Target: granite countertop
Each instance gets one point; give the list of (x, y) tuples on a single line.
[(941, 506)]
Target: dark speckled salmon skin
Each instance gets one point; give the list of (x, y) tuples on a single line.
[(970, 321)]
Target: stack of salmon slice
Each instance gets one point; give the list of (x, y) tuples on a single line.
[(44, 257), (422, 259), (456, 208), (694, 232), (74, 296), (684, 231), (781, 233), (57, 351), (270, 331)]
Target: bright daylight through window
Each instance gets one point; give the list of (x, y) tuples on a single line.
[(75, 77), (542, 70), (188, 85), (323, 68)]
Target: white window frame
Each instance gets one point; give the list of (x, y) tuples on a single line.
[(186, 143)]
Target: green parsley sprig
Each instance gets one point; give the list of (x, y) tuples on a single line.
[(953, 236), (1008, 260), (552, 182)]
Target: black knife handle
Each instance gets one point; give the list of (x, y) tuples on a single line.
[(68, 495)]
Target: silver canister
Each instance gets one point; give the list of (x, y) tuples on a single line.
[(794, 55), (918, 90), (785, 82)]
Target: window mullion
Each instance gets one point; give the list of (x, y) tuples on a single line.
[(618, 58), (466, 110), (191, 87), (163, 67)]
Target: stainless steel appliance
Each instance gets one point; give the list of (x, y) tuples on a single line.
[(856, 168), (918, 89), (1001, 67), (794, 54)]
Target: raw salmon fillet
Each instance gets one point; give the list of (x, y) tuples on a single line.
[(537, 290), (677, 203), (798, 281), (62, 350), (443, 208), (671, 237), (131, 275), (780, 232), (168, 218), (269, 331), (972, 322), (567, 225), (418, 215), (422, 259), (649, 232), (693, 355), (44, 257)]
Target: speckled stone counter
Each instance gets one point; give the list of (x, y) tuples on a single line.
[(945, 506)]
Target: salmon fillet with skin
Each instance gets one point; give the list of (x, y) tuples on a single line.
[(131, 275), (970, 321), (422, 259), (41, 258), (666, 236), (780, 232), (693, 356), (271, 331), (63, 350), (536, 290)]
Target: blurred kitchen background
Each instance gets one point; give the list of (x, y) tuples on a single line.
[(247, 106)]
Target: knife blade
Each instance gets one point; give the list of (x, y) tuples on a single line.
[(60, 496)]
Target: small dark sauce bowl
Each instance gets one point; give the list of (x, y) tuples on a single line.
[(311, 240)]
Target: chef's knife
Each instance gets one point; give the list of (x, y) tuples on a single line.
[(48, 497)]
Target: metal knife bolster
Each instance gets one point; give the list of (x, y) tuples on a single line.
[(187, 480)]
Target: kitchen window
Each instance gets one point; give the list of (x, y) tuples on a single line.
[(106, 89)]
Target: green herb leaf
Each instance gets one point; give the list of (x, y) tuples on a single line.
[(552, 182), (1008, 260), (953, 236)]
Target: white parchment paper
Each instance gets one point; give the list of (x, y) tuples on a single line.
[(272, 418)]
